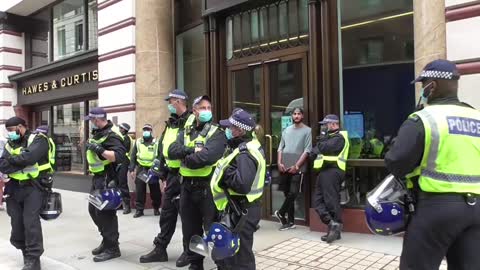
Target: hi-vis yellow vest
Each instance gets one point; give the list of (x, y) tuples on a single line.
[(132, 142), (95, 164), (169, 137), (451, 155), (29, 172), (253, 147), (51, 156), (146, 153), (341, 159), (202, 172)]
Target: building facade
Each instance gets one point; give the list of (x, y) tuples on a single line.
[(353, 58)]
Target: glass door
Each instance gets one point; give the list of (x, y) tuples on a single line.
[(270, 90)]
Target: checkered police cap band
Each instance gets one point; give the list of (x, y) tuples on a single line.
[(435, 74), (240, 125), (94, 115), (176, 96)]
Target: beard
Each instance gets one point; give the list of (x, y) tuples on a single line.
[(297, 121)]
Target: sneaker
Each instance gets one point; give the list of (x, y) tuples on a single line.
[(287, 227), (282, 219)]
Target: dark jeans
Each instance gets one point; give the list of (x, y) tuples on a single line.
[(169, 214), (141, 191), (442, 225), (197, 211), (291, 186), (326, 199), (23, 207), (106, 220)]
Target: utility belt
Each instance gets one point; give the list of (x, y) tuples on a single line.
[(23, 183), (202, 182), (469, 198)]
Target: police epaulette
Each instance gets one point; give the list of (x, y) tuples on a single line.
[(205, 130), (242, 147)]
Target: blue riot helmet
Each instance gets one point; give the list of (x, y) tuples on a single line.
[(385, 210), (220, 243), (52, 206), (105, 199)]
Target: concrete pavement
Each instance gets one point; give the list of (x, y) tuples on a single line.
[(69, 240)]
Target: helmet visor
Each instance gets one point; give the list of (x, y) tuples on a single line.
[(389, 190), (97, 202), (199, 246)]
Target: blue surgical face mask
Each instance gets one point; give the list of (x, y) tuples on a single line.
[(13, 135), (147, 134), (205, 116), (172, 109), (228, 134)]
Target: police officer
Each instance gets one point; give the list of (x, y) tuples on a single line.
[(105, 154), (123, 173), (241, 173), (143, 154), (21, 159), (199, 147), (179, 116), (331, 156), (437, 149)]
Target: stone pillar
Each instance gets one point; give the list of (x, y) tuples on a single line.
[(155, 62), (429, 33)]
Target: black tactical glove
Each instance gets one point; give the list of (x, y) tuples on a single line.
[(98, 149), (112, 184)]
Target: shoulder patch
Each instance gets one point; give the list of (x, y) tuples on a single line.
[(242, 147)]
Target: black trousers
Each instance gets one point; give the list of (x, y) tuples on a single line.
[(106, 220), (141, 191), (169, 214), (244, 259), (23, 207), (123, 183), (197, 211), (443, 225), (291, 186), (326, 199)]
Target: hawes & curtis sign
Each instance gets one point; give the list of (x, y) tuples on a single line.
[(61, 83)]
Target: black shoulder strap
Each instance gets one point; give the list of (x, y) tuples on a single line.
[(242, 147)]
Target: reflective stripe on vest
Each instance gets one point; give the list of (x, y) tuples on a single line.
[(202, 172), (29, 172), (341, 159), (452, 153), (256, 191), (146, 153), (51, 157), (170, 137), (132, 142), (95, 164)]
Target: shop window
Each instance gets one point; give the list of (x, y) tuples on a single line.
[(69, 16), (37, 40), (190, 57), (68, 136), (376, 68), (78, 36), (276, 26), (92, 24)]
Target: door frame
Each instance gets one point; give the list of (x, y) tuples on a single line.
[(264, 61)]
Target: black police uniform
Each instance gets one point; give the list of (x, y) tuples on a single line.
[(443, 224), (169, 214), (197, 209), (239, 177), (25, 197), (123, 176), (106, 220), (326, 199), (140, 185)]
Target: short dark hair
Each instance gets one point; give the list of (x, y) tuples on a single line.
[(298, 109)]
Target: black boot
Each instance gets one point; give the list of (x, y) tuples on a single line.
[(196, 266), (182, 261), (108, 254), (126, 208), (99, 249), (31, 264), (138, 214), (156, 212), (334, 232), (158, 254)]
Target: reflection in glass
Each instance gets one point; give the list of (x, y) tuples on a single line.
[(191, 62), (376, 68), (246, 90), (39, 33), (68, 18), (68, 136), (92, 24)]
